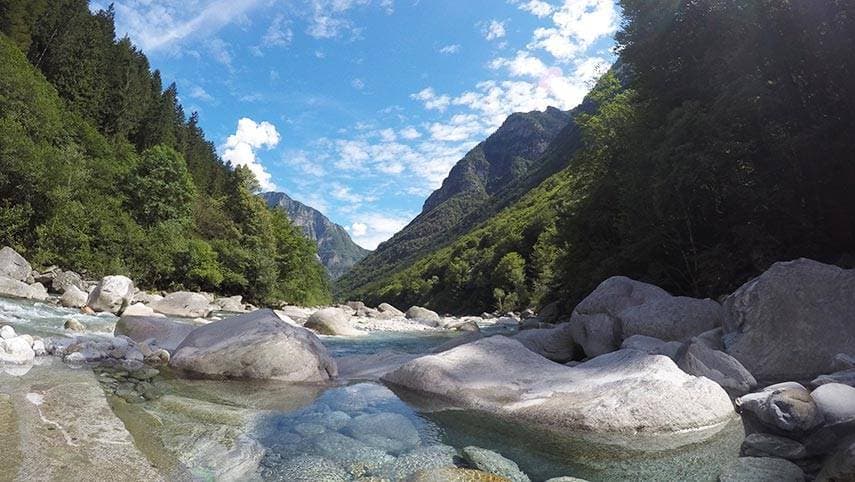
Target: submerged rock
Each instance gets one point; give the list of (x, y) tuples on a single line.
[(454, 474), (753, 469), (422, 458), (791, 321), (626, 392), (390, 432), (310, 468), (255, 345), (621, 307), (493, 463), (112, 294), (768, 445)]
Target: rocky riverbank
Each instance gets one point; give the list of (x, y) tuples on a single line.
[(632, 368)]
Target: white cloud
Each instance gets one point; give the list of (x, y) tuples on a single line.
[(577, 25), (241, 146), (370, 229), (278, 34), (410, 133), (538, 8), (450, 49), (329, 18), (523, 65), (357, 84), (300, 160), (198, 92), (344, 193), (155, 25), (494, 30), (432, 101)]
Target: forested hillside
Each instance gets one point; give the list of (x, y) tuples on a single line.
[(102, 171), (730, 147)]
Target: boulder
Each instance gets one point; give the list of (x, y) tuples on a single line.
[(621, 307), (493, 463), (146, 298), (696, 358), (63, 280), (111, 294), (74, 325), (255, 345), (846, 377), (390, 432), (165, 333), (356, 305), (556, 343), (836, 403), (37, 291), (423, 316), (332, 321), (13, 288), (842, 361), (13, 265), (786, 407), (753, 469), (463, 339), (453, 474), (295, 313), (17, 350), (7, 332), (387, 309), (139, 309), (712, 339), (231, 303), (184, 304), (73, 297), (791, 321), (768, 445), (625, 392)]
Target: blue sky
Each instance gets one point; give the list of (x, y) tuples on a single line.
[(359, 108)]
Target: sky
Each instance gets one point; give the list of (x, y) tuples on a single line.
[(359, 108)]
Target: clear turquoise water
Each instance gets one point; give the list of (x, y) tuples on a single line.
[(350, 430)]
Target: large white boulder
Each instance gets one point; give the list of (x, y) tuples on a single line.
[(696, 358), (332, 321), (166, 333), (13, 265), (111, 294), (255, 345), (626, 392), (423, 316), (791, 321), (73, 297), (185, 304), (621, 307), (554, 343)]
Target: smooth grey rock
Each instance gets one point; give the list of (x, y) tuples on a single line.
[(787, 408), (621, 307), (754, 469), (14, 288), (388, 309), (457, 341), (112, 294), (331, 321), (768, 445), (165, 333), (619, 393), (423, 316), (556, 343), (37, 291), (13, 265), (712, 339), (356, 457), (255, 345), (7, 332), (16, 350), (846, 377), (493, 463), (422, 458), (139, 309), (390, 432), (842, 361), (791, 321), (231, 303), (73, 297), (696, 358), (836, 403), (184, 304), (371, 366), (146, 298), (74, 325), (66, 279)]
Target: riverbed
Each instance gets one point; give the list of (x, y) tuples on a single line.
[(242, 430)]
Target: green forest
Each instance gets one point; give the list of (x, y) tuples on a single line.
[(726, 148), (102, 172)]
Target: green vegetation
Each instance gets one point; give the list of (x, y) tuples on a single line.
[(728, 148), (102, 172)]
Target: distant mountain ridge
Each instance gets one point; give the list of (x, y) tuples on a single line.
[(336, 249), (495, 172)]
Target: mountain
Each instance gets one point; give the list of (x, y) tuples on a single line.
[(481, 181), (337, 251)]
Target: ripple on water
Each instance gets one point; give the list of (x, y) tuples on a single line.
[(37, 318)]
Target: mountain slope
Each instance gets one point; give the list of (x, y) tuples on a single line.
[(479, 182), (336, 249)]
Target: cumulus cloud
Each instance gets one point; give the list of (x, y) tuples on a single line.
[(410, 133), (450, 49), (577, 24), (278, 34), (240, 148), (372, 228), (494, 30), (432, 101), (538, 8)]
